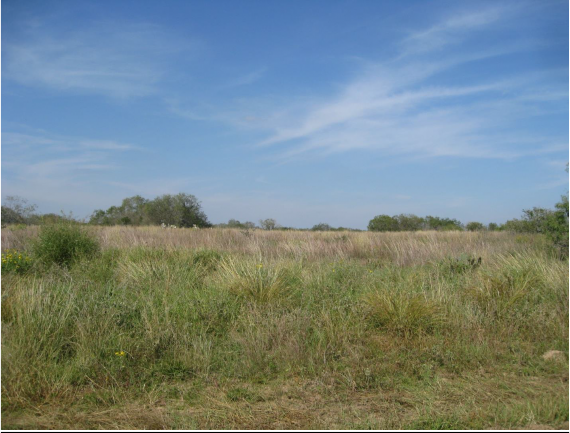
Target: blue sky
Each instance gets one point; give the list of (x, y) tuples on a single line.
[(306, 112)]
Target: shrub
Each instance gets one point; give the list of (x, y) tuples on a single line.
[(64, 243), (556, 226)]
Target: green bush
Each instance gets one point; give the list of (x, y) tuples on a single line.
[(64, 243), (556, 227)]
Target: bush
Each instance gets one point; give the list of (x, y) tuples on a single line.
[(556, 226), (64, 243)]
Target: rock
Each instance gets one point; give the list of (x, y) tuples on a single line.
[(554, 355)]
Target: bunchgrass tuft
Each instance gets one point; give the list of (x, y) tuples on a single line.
[(255, 281), (404, 314)]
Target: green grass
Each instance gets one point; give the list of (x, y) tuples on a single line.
[(214, 338)]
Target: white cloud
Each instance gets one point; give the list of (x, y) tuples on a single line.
[(451, 30), (40, 155), (120, 61), (393, 107)]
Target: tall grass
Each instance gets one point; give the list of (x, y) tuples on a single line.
[(166, 314)]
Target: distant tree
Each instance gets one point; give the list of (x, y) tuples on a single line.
[(474, 226), (409, 222), (268, 224), (10, 216), (493, 227), (437, 223), (321, 227), (181, 210), (17, 210), (51, 218), (234, 224), (99, 217), (536, 219), (533, 221), (383, 223), (516, 225), (133, 210)]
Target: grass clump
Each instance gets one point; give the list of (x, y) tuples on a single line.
[(63, 244), (405, 314), (208, 259), (256, 281)]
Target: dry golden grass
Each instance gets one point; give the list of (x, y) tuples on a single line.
[(400, 248)]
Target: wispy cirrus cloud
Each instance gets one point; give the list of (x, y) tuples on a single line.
[(38, 154), (49, 168), (246, 79), (119, 61), (452, 30), (399, 106)]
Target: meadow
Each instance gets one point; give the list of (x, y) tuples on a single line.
[(252, 329)]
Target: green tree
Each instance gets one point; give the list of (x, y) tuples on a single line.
[(181, 210), (474, 226), (536, 219), (492, 227), (99, 217), (321, 227), (437, 223), (17, 210), (268, 224), (10, 216), (383, 223), (409, 222), (133, 210)]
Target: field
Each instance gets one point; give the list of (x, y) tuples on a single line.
[(230, 329)]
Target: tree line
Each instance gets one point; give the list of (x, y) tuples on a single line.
[(184, 210)]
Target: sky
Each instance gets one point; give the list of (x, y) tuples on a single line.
[(305, 112)]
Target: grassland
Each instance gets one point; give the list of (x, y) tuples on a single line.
[(227, 329)]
